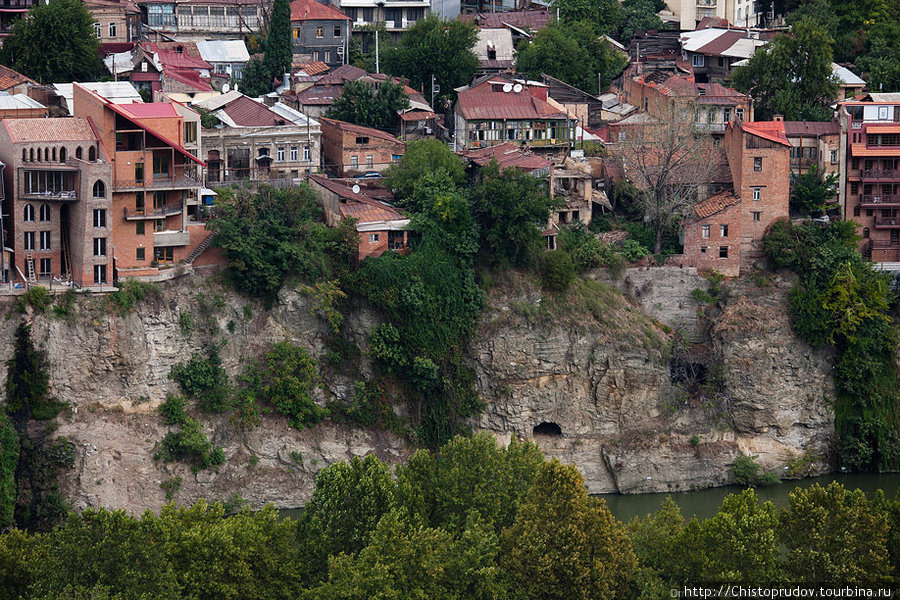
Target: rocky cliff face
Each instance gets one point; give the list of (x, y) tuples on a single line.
[(594, 371)]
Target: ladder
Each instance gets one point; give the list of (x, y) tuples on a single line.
[(29, 268)]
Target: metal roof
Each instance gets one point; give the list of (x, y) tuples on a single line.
[(223, 51), (499, 40), (481, 102), (295, 116), (811, 128), (846, 76), (117, 92), (18, 102), (311, 10)]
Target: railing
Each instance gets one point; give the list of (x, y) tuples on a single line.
[(879, 200), (887, 223), (880, 174), (717, 127), (158, 183), (62, 195), (157, 213)]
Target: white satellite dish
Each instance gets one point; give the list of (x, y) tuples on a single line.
[(225, 88), (507, 87), (517, 88), (355, 188)]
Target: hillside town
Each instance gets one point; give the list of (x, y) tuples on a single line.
[(449, 299)]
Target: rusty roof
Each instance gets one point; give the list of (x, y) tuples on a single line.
[(68, 129), (507, 156), (247, 112), (311, 10), (721, 43), (719, 202), (811, 128), (358, 206), (359, 129), (482, 102), (532, 20), (342, 74)]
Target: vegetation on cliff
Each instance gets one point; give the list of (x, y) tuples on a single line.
[(471, 521), (841, 301)]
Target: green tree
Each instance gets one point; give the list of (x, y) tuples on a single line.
[(604, 16), (435, 47), (564, 544), (833, 534), (571, 52), (422, 157), (54, 43), (741, 540), (9, 461), (283, 378), (341, 516), (279, 45), (365, 104), (640, 15), (511, 208), (27, 380), (791, 75), (811, 191), (256, 79)]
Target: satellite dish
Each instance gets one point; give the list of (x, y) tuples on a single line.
[(225, 88), (355, 188), (507, 87), (517, 88)]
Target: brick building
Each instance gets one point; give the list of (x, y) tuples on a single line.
[(115, 22), (814, 143), (870, 190), (58, 204), (321, 32), (724, 231), (153, 181), (351, 150)]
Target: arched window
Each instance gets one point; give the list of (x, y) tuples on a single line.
[(78, 154), (45, 212), (99, 189), (39, 155), (32, 155), (62, 154), (866, 233), (29, 213), (92, 154), (24, 155), (54, 155)]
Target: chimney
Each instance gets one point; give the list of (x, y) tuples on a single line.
[(778, 118)]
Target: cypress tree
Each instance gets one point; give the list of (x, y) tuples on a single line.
[(279, 47)]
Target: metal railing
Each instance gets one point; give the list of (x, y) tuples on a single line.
[(879, 200), (159, 183), (62, 195), (880, 174), (156, 213)]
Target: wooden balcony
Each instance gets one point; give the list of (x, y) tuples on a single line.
[(879, 201), (880, 174), (887, 223)]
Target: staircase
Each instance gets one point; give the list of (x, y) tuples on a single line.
[(201, 247)]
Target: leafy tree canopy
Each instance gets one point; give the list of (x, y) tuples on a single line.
[(422, 157), (605, 16), (811, 191), (365, 104), (54, 43), (436, 47)]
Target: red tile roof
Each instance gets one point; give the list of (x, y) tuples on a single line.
[(69, 129), (10, 78), (714, 204), (768, 130), (507, 156), (481, 102), (310, 10), (359, 129), (313, 68), (359, 206)]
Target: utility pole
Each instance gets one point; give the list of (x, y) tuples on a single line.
[(435, 88)]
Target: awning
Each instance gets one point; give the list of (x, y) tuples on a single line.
[(599, 196)]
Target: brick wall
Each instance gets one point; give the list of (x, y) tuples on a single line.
[(705, 252)]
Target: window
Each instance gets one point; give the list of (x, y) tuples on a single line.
[(739, 114), (315, 55), (306, 153), (163, 255), (98, 30), (697, 60), (856, 210), (354, 161), (62, 154), (854, 188), (46, 267), (294, 153), (45, 212), (374, 237), (337, 31), (99, 246), (866, 233), (99, 217), (139, 228), (139, 203), (703, 250), (45, 240), (704, 231), (757, 163), (29, 240), (327, 58), (159, 200), (190, 132), (756, 215), (139, 254), (723, 251), (854, 164), (370, 160), (99, 189), (320, 32), (29, 213), (160, 167), (99, 274), (92, 155), (296, 32), (138, 172), (361, 140), (279, 154), (757, 194), (726, 115), (723, 230), (834, 156), (112, 30), (159, 225)]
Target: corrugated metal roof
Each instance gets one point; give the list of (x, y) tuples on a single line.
[(223, 51), (885, 96), (294, 116), (507, 156), (247, 112), (500, 40), (692, 41), (117, 92), (717, 203), (219, 101), (359, 206), (722, 42), (811, 128), (64, 129), (365, 131), (311, 10), (534, 20), (846, 76), (481, 102), (18, 102)]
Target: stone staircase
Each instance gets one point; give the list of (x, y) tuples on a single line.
[(201, 247)]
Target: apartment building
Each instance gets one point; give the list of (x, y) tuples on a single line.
[(350, 150), (394, 15), (57, 211), (814, 144), (320, 32), (870, 189), (115, 22), (153, 181), (203, 19)]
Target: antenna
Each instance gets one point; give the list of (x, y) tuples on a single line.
[(507, 87), (355, 188), (517, 88), (225, 88)]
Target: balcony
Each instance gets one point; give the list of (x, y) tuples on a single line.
[(880, 174), (710, 127), (168, 210), (52, 195), (171, 238), (872, 201), (177, 182), (887, 223)]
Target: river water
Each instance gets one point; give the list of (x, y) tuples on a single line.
[(704, 504)]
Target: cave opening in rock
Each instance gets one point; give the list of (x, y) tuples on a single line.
[(550, 429), (687, 372)]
